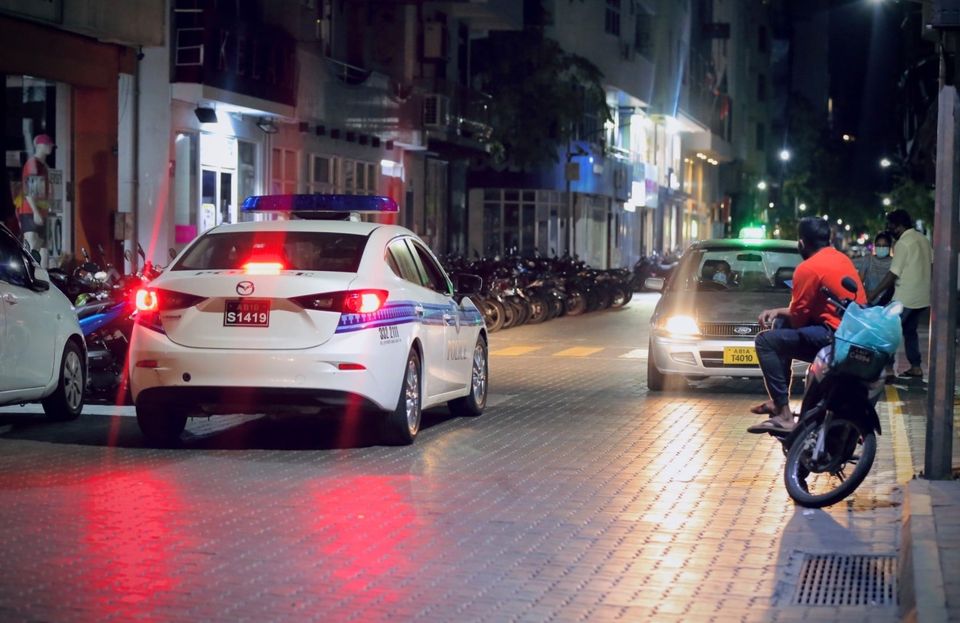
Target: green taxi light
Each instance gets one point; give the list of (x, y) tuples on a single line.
[(753, 233)]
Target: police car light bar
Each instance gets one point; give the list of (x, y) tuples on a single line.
[(318, 204)]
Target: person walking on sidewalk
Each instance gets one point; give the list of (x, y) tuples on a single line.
[(910, 271), (874, 267), (810, 321)]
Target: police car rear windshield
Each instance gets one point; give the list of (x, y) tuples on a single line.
[(320, 251)]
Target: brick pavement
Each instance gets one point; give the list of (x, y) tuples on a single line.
[(577, 496)]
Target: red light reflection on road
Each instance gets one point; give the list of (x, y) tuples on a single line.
[(366, 530), (130, 524)]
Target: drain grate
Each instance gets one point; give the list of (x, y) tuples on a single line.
[(841, 580)]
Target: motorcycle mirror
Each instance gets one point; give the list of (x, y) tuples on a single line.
[(849, 284), (86, 255)]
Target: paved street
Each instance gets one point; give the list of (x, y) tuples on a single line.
[(577, 496)]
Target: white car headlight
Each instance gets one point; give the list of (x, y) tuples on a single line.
[(681, 325)]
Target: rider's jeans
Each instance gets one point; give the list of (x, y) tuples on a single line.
[(776, 350)]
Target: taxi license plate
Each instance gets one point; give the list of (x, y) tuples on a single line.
[(740, 356), (247, 313)]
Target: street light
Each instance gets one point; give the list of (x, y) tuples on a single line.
[(762, 185), (839, 221), (885, 163), (803, 207), (770, 205), (887, 201), (785, 155)]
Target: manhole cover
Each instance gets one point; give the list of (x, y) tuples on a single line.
[(841, 580)]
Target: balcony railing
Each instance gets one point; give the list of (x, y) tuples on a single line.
[(456, 109)]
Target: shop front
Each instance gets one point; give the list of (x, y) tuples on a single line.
[(60, 114)]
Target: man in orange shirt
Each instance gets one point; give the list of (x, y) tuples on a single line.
[(808, 324)]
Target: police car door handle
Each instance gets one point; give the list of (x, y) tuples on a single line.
[(10, 298), (447, 318), (418, 310)]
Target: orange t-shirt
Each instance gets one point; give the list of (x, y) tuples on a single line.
[(825, 268)]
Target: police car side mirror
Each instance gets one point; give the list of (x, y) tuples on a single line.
[(466, 285)]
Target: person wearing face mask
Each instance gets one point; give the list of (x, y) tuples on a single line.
[(808, 323), (910, 272), (873, 268), (722, 274)]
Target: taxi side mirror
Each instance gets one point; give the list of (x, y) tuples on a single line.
[(465, 285)]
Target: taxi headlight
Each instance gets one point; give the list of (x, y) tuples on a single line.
[(681, 325)]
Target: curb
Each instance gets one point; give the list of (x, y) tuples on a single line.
[(922, 595)]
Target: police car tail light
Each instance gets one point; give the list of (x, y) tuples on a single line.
[(364, 301), (350, 302), (147, 300)]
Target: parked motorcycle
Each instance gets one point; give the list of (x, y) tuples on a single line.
[(106, 317), (832, 447)]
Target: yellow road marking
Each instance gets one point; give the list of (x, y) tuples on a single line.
[(577, 351), (513, 351), (902, 455)]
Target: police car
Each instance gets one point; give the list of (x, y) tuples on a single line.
[(305, 312)]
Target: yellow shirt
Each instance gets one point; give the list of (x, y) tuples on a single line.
[(912, 259)]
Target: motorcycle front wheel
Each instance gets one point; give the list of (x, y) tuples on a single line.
[(847, 457)]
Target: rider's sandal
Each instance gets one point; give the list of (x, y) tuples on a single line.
[(770, 426)]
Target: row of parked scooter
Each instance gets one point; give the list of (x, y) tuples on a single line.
[(531, 290), (103, 299)]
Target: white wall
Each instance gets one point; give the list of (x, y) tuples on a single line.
[(154, 203)]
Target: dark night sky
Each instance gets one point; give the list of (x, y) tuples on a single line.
[(865, 64)]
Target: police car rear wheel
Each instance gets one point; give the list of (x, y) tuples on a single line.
[(473, 403), (400, 427)]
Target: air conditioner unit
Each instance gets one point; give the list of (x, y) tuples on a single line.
[(436, 110)]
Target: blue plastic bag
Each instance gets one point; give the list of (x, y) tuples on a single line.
[(876, 328)]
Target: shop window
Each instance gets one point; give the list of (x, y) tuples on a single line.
[(611, 22), (283, 174), (323, 174), (246, 170)]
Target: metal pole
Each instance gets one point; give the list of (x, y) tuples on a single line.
[(943, 310)]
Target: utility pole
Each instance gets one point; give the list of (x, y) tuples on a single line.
[(946, 232)]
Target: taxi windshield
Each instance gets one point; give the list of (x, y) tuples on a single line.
[(320, 251), (740, 269)]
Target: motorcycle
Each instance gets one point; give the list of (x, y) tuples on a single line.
[(832, 448), (106, 318)]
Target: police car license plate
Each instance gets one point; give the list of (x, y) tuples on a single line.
[(247, 313), (740, 356)]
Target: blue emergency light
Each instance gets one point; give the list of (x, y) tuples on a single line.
[(318, 205)]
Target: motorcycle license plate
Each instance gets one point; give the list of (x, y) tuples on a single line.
[(740, 356), (247, 313)]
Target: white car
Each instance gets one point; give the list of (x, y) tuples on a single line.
[(294, 316), (42, 353)]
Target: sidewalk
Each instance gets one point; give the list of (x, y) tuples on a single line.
[(929, 557)]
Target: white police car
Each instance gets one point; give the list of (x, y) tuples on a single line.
[(293, 316)]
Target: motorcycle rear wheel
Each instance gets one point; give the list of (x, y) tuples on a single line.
[(493, 314), (824, 482)]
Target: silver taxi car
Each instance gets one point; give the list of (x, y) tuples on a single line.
[(707, 318)]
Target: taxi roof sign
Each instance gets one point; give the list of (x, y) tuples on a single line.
[(319, 204)]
